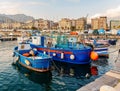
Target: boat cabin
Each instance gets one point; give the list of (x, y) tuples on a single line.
[(57, 41)]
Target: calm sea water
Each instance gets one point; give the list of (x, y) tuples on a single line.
[(14, 78)]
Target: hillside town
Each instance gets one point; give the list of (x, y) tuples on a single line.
[(60, 45), (65, 24)]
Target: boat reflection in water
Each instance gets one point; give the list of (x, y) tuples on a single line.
[(103, 62), (99, 65), (42, 78)]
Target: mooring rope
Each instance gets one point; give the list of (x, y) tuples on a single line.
[(117, 49), (113, 51), (56, 66), (117, 56)]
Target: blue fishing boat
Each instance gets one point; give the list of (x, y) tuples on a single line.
[(112, 41), (69, 55), (42, 78), (102, 50), (100, 46), (31, 59)]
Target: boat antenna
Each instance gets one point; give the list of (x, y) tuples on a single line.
[(86, 22)]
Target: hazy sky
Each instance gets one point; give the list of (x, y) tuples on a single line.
[(56, 9)]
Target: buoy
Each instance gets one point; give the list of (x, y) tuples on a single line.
[(17, 58), (54, 54), (26, 54), (73, 33), (27, 62), (94, 56), (107, 88), (62, 55), (32, 52), (44, 52), (13, 54), (94, 70), (72, 57), (34, 49), (87, 75)]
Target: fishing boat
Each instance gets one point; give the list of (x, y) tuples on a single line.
[(42, 78), (70, 56), (31, 59), (102, 50), (112, 41), (97, 41), (99, 45)]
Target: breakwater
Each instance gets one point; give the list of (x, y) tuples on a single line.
[(8, 38)]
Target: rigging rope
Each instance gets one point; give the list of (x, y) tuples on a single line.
[(117, 56), (56, 66)]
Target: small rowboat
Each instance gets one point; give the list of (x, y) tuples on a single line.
[(31, 59)]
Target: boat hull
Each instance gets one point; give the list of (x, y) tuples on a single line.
[(102, 51), (77, 67), (33, 63), (34, 69), (37, 77), (74, 56), (75, 70), (112, 42)]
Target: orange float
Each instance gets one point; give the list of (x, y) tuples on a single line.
[(94, 56), (26, 54), (73, 33)]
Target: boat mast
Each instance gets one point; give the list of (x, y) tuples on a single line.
[(86, 22)]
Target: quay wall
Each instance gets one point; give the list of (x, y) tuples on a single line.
[(110, 81), (8, 38)]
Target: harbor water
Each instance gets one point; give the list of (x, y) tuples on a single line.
[(16, 78)]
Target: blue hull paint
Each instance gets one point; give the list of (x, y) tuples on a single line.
[(112, 42), (69, 56), (102, 51), (40, 63), (80, 66), (82, 56)]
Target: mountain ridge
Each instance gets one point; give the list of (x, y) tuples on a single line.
[(4, 18)]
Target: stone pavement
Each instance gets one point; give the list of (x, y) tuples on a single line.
[(110, 79)]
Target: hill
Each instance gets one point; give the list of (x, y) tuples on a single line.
[(15, 18)]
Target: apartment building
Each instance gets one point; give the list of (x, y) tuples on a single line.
[(95, 23), (115, 24), (98, 23), (80, 24), (65, 24), (103, 22)]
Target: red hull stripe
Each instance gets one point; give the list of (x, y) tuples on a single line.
[(56, 51)]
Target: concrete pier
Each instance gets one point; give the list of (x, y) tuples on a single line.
[(8, 38), (109, 80)]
